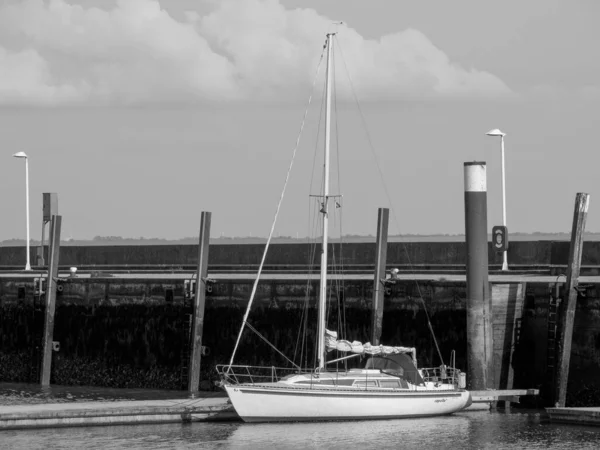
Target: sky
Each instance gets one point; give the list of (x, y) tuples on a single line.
[(140, 114)]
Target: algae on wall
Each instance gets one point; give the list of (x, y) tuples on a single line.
[(132, 333)]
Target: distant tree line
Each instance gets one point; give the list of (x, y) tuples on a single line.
[(102, 240)]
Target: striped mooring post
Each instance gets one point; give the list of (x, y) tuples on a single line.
[(479, 305)]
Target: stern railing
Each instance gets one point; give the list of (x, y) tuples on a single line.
[(444, 375)]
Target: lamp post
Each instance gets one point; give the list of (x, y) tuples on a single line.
[(497, 132), (24, 156)]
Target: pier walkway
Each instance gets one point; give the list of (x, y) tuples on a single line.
[(575, 416), (116, 413)]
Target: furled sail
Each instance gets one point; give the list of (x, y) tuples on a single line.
[(332, 343)]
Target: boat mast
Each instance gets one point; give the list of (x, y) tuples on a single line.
[(323, 288)]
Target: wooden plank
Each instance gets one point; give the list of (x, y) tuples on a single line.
[(199, 303), (567, 316), (378, 287), (55, 224)]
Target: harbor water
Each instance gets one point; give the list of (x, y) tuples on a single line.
[(517, 429), (467, 430)]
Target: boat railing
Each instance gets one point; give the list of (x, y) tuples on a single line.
[(237, 374), (443, 374)]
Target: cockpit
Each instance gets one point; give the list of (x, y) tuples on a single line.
[(400, 365)]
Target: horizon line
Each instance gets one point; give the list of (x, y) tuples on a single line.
[(113, 239)]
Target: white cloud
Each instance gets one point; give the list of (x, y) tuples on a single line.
[(52, 52), (25, 78)]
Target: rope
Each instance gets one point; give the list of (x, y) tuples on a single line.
[(272, 346), (302, 325), (362, 116), (287, 177)]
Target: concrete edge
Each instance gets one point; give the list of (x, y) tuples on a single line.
[(132, 419)]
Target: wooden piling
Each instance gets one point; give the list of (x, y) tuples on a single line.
[(567, 316), (55, 223), (378, 286), (199, 302), (49, 209)]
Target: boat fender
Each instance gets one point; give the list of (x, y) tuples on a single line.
[(462, 380), (443, 374)]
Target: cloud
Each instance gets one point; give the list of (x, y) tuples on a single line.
[(52, 52), (559, 92), (25, 78)]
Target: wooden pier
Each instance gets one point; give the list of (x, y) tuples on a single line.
[(483, 400), (575, 416), (116, 413)]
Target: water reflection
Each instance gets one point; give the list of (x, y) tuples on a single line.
[(475, 430), (380, 433)]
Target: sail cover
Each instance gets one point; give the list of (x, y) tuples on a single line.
[(332, 343)]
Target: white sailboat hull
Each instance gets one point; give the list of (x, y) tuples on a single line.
[(274, 402)]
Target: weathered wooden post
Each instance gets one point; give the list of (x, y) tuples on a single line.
[(479, 309), (199, 302), (378, 285), (567, 316), (55, 223), (49, 209)]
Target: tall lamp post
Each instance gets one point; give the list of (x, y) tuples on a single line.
[(24, 156), (497, 132)]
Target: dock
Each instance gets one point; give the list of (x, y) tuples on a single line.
[(116, 413), (575, 416), (507, 395), (205, 409), (483, 400)]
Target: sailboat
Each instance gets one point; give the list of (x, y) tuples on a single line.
[(388, 386)]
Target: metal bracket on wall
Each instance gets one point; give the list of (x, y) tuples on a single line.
[(582, 289)]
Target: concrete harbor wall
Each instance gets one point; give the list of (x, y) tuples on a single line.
[(131, 333), (415, 253), (118, 332)]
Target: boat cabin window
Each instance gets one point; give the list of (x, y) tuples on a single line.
[(386, 365), (365, 383)]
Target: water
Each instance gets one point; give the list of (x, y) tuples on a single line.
[(467, 430)]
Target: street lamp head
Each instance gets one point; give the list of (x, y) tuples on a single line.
[(495, 132), (20, 155)]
